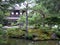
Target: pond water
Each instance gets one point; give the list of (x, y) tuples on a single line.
[(27, 42)]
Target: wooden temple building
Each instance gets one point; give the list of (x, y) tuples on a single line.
[(15, 13), (13, 17)]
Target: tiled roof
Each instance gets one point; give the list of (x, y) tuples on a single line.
[(13, 18), (10, 27)]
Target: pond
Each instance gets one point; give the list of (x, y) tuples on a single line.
[(28, 42)]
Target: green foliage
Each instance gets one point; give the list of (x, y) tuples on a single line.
[(33, 19), (53, 20), (52, 6), (58, 33), (22, 18), (2, 32), (1, 16), (14, 32), (16, 1)]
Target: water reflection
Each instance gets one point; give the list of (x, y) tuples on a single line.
[(27, 42)]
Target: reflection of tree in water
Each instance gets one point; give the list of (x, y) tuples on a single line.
[(31, 43), (27, 42)]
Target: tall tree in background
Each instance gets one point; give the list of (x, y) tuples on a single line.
[(42, 11), (53, 6), (48, 7)]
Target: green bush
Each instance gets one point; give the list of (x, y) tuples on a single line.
[(30, 36), (2, 35), (58, 34), (14, 32), (0, 25)]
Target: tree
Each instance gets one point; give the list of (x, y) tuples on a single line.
[(53, 21), (48, 8), (52, 6), (42, 11)]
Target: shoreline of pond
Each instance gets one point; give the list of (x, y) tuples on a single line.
[(34, 40)]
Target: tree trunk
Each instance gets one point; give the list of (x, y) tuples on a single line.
[(26, 19), (43, 18)]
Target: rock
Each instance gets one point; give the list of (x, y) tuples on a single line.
[(53, 36), (35, 39)]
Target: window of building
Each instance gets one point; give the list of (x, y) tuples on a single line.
[(12, 13), (16, 13)]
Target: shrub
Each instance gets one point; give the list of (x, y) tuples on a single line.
[(14, 32), (58, 34)]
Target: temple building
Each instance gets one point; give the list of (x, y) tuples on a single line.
[(14, 15)]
